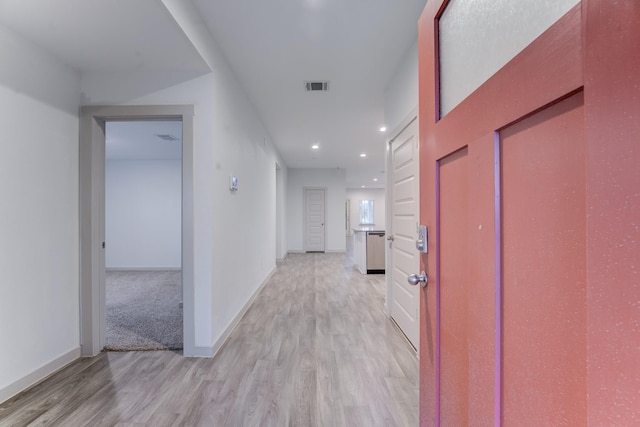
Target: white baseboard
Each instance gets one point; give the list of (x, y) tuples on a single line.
[(39, 375), (328, 251), (199, 351), (281, 260), (143, 268), (234, 322)]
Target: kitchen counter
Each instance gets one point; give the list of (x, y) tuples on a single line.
[(368, 250), (364, 229)]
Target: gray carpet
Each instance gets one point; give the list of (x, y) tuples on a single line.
[(143, 310)]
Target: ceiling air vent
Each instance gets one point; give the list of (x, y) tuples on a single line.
[(167, 137), (316, 86)]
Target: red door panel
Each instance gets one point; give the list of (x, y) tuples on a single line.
[(530, 190), (504, 330), (455, 324), (465, 284), (543, 276)]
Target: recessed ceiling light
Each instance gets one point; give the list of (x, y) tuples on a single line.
[(363, 186), (375, 179), (383, 129), (363, 155), (315, 146)]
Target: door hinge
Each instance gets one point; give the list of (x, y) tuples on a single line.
[(103, 245)]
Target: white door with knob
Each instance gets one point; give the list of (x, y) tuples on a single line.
[(404, 299), (314, 219)]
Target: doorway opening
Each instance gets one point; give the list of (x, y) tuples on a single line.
[(93, 241), (143, 259)]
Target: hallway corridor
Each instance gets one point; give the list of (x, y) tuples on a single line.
[(315, 349)]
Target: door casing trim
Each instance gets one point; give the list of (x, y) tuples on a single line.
[(91, 206)]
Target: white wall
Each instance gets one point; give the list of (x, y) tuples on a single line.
[(143, 214), (39, 249), (378, 197), (235, 242), (334, 180), (401, 94)]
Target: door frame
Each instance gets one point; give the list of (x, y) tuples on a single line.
[(92, 216), (280, 254), (304, 217)]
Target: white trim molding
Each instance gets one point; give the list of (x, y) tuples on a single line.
[(39, 375), (236, 320), (92, 235)]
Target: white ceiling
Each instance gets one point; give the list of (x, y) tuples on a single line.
[(273, 46), (109, 35), (140, 141)]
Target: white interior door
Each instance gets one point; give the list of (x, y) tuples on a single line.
[(405, 259), (314, 219)]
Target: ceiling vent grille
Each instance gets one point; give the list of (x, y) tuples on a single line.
[(316, 86), (167, 137)]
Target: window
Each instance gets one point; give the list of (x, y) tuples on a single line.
[(366, 212)]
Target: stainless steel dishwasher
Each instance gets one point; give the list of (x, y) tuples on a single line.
[(375, 252)]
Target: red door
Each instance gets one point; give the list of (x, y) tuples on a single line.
[(511, 182)]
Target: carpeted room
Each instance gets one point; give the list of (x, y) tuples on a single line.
[(143, 310), (143, 196)]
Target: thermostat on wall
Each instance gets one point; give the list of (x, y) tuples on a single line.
[(233, 183)]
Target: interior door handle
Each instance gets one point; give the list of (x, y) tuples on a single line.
[(422, 278), (390, 238)]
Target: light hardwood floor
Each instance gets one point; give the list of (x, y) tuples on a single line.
[(315, 349)]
